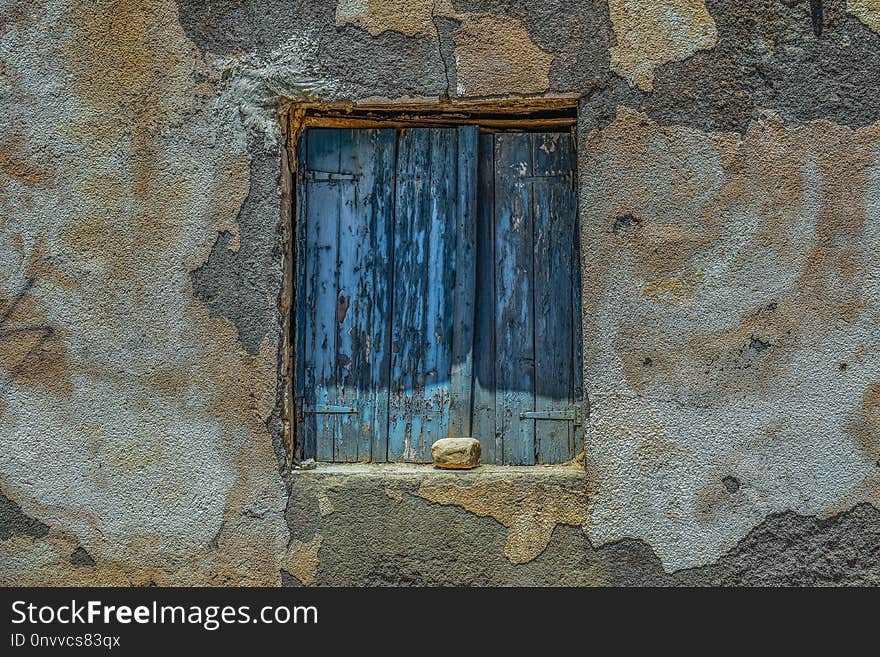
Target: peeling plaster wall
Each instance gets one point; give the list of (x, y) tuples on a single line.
[(730, 216)]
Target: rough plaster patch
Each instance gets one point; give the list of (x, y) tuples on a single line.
[(393, 492), (867, 11), (745, 379), (32, 349), (408, 17), (254, 85), (494, 55), (302, 560), (325, 506), (677, 289), (18, 167), (867, 427), (14, 522), (151, 435), (228, 195), (650, 34), (530, 512)]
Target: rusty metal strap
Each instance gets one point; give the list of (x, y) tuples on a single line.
[(568, 416), (328, 408)]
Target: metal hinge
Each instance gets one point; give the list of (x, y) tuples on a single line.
[(552, 176), (328, 408), (569, 416), (329, 176)]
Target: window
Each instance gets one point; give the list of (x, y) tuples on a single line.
[(438, 293)]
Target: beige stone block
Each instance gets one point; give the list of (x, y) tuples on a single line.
[(456, 453)]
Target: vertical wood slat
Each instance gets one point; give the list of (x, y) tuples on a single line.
[(578, 338), (514, 309), (535, 299), (483, 423), (306, 430), (408, 289), (461, 379), (380, 344), (577, 395), (322, 221), (348, 319), (424, 344), (364, 235), (439, 275), (555, 223)]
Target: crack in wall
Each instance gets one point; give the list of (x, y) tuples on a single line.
[(440, 48)]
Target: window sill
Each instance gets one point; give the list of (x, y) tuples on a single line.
[(572, 470)]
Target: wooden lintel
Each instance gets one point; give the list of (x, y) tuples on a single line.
[(330, 121)]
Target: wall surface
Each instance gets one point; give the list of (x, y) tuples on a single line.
[(730, 215)]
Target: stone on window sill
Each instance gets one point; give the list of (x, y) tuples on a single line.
[(456, 453)]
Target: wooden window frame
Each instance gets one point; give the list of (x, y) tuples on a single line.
[(522, 114)]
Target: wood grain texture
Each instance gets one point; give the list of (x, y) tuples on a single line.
[(483, 422), (426, 231), (527, 342), (306, 432), (555, 230), (514, 298), (346, 216), (461, 376), (322, 210)]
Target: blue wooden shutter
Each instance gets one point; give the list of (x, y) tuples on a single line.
[(346, 206), (527, 375), (433, 290), (385, 302)]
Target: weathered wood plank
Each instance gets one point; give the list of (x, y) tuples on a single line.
[(483, 423), (346, 216), (461, 379), (439, 314), (514, 309), (347, 121), (305, 429), (580, 401), (366, 208), (409, 289), (578, 338), (349, 322), (322, 213), (426, 224), (555, 232), (382, 240)]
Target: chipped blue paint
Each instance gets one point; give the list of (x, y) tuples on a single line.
[(432, 203), (346, 211), (385, 316), (417, 248), (527, 378)]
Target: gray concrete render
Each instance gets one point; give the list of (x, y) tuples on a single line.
[(729, 209)]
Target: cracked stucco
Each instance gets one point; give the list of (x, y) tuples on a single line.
[(409, 17), (650, 34), (867, 11), (529, 512), (730, 207), (725, 381), (493, 55)]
